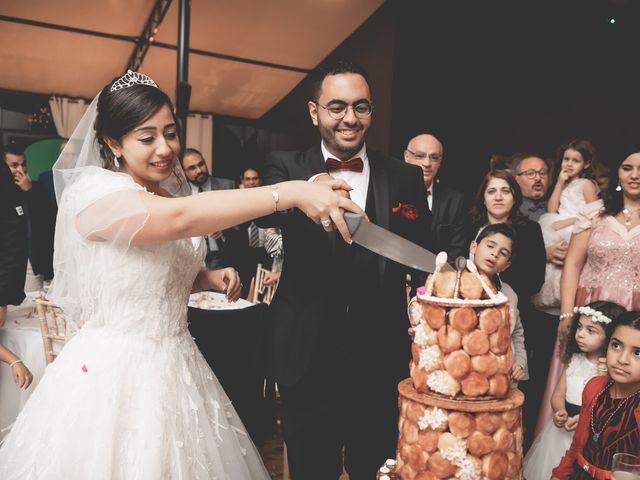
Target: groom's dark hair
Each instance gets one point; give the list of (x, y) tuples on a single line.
[(340, 66)]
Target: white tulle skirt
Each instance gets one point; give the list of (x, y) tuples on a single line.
[(546, 452), (121, 406)]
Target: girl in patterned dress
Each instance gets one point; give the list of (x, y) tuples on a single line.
[(610, 413), (588, 340)]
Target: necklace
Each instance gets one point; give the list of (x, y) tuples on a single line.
[(627, 215), (596, 435)]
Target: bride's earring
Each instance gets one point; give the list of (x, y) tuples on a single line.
[(618, 188), (115, 160)]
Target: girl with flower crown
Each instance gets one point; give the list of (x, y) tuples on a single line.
[(609, 421), (588, 339), (130, 396)]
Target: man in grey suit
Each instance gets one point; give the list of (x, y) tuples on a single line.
[(197, 173)]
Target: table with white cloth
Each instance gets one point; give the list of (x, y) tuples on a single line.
[(232, 338), (20, 334)]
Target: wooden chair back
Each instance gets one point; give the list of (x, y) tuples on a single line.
[(53, 327), (262, 293)]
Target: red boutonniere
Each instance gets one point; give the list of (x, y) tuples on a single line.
[(407, 210)]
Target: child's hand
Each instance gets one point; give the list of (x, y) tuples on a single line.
[(571, 423), (563, 177), (560, 418), (21, 375), (411, 332), (517, 372)]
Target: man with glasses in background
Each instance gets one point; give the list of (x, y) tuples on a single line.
[(533, 175), (540, 323), (448, 226), (339, 344)]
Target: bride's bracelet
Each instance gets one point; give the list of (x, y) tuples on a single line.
[(566, 315), (276, 197), (11, 365)]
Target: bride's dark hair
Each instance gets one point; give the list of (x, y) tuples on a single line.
[(121, 111)]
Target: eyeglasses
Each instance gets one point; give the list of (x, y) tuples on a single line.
[(434, 157), (338, 111), (531, 173)]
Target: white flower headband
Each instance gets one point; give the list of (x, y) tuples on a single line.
[(595, 315)]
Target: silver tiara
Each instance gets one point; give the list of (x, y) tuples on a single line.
[(132, 78)]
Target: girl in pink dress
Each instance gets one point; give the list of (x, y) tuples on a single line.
[(603, 261), (573, 189)]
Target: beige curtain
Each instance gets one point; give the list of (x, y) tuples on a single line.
[(66, 113), (200, 135)]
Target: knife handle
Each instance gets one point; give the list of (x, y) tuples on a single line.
[(353, 221)]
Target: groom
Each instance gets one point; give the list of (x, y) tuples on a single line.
[(339, 343)]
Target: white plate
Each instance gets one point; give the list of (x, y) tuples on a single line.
[(216, 301)]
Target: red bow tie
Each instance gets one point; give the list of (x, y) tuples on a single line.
[(353, 165)]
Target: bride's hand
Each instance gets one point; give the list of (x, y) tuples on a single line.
[(226, 280), (323, 203)]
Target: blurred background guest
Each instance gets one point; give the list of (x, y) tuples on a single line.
[(13, 244), (249, 178), (38, 212), (448, 231), (498, 201), (532, 174), (197, 173)]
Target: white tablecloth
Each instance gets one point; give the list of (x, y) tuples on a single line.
[(21, 335)]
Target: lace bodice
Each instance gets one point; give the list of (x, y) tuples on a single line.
[(102, 278), (145, 291), (579, 371)]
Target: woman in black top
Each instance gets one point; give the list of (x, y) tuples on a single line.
[(498, 201)]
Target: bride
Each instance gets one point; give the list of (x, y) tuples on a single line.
[(130, 396)]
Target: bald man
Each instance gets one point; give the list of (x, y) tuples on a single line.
[(448, 225)]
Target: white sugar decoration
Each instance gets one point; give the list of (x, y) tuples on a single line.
[(430, 357), (441, 382), (456, 453), (433, 418), (468, 469), (423, 335)]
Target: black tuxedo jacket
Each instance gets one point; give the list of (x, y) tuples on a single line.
[(449, 228), (316, 312)]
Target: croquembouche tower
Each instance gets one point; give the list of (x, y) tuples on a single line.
[(460, 418)]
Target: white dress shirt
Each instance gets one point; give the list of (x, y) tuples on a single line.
[(430, 196), (359, 181)]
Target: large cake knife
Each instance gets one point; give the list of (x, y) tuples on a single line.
[(389, 245)]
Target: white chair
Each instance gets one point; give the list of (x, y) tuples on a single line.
[(53, 327)]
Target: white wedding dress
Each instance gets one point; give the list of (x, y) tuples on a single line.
[(130, 396)]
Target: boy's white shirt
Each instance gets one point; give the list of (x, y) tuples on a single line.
[(514, 319)]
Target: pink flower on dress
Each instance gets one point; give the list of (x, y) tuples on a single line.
[(85, 369)]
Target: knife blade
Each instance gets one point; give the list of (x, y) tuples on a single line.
[(389, 245)]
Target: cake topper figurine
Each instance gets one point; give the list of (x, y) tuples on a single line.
[(472, 268)]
